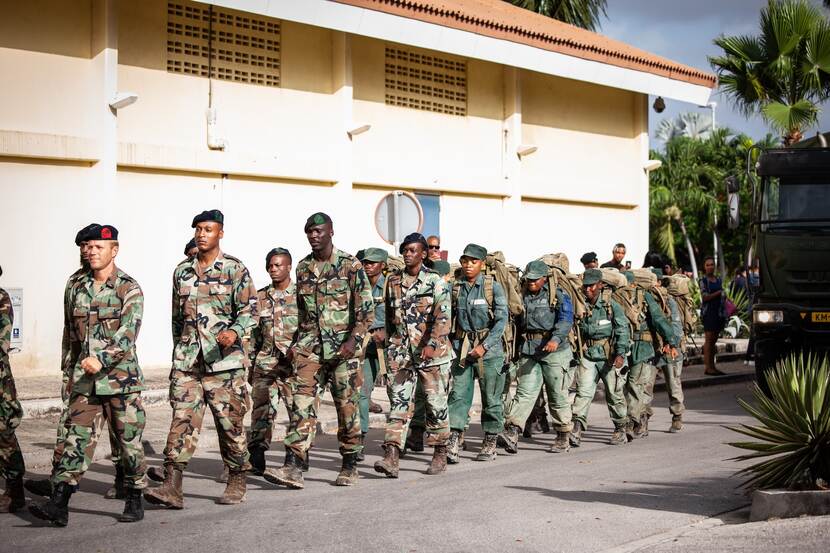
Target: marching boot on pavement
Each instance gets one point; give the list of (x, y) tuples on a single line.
[(56, 510), (133, 507), (438, 464), (169, 494), (511, 438), (348, 471), (418, 354), (619, 436), (606, 338), (575, 437), (390, 463), (452, 447), (236, 489), (290, 474), (480, 316), (676, 424), (562, 443), (546, 356)]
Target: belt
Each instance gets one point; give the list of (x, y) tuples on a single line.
[(536, 335)]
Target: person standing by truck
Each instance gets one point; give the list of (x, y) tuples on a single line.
[(711, 313)]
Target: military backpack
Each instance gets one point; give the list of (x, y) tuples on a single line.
[(679, 288)]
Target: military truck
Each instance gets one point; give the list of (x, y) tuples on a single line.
[(790, 235)]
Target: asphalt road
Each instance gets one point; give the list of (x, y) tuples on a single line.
[(595, 498)]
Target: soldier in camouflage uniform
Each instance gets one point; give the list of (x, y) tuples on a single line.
[(107, 306), (335, 313), (479, 307), (545, 358), (214, 308), (418, 326), (69, 358), (606, 341), (271, 343), (11, 458)]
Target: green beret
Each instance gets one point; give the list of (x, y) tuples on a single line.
[(318, 218), (536, 270), (475, 251), (629, 276), (441, 267), (591, 276), (375, 255), (658, 272), (209, 215)]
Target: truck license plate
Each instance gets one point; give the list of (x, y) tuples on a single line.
[(821, 317)]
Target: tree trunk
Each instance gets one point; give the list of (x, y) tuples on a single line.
[(688, 246), (719, 254)]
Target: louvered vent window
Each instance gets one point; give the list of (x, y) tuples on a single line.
[(424, 81), (232, 47)]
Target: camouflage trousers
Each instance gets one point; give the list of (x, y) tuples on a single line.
[(226, 394), (310, 379), (587, 375), (63, 427), (419, 413), (639, 386), (434, 382), (554, 370), (491, 385), (124, 415), (672, 370), (11, 458), (267, 387)]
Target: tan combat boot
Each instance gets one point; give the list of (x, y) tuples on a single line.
[(439, 460), (235, 490), (618, 437), (452, 447), (562, 443), (289, 474), (348, 471), (390, 462), (676, 424), (169, 493)]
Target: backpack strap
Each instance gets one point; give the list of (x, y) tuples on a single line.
[(489, 295)]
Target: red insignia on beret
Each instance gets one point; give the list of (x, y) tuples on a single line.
[(106, 233)]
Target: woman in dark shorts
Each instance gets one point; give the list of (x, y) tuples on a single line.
[(711, 313)]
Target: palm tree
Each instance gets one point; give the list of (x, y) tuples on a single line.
[(784, 73), (691, 125), (581, 13)]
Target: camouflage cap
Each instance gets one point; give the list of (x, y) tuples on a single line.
[(535, 270), (658, 272), (441, 267), (475, 251), (414, 238), (589, 257), (190, 245), (102, 232), (82, 234), (629, 276), (276, 251), (591, 276), (318, 218), (375, 255), (210, 215)]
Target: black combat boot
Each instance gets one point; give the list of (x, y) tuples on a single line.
[(133, 507), (257, 460), (511, 438), (562, 443), (488, 448), (348, 471), (576, 434), (391, 461), (362, 456), (414, 440), (452, 447), (41, 487), (618, 437), (290, 474), (56, 510), (13, 498), (117, 491)]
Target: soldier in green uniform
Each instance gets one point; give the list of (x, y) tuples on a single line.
[(270, 351), (107, 307), (640, 379), (374, 261), (546, 357), (479, 306), (214, 308), (606, 338), (334, 297), (418, 326), (11, 458), (672, 367)]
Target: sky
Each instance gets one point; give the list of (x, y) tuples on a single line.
[(683, 30)]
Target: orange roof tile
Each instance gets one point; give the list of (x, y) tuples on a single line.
[(501, 20)]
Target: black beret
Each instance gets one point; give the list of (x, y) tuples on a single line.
[(589, 257), (102, 232), (190, 245), (209, 215), (276, 251), (82, 235), (414, 238), (318, 218)]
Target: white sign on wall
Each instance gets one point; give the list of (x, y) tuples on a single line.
[(16, 295)]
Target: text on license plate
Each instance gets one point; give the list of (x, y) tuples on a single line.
[(821, 317)]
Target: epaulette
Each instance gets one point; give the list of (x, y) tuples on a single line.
[(232, 258)]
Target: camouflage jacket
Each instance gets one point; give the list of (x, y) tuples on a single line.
[(6, 320), (417, 316), (335, 302), (277, 325), (68, 356), (222, 297), (105, 325)]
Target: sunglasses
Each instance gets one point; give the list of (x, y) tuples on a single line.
[(435, 247)]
